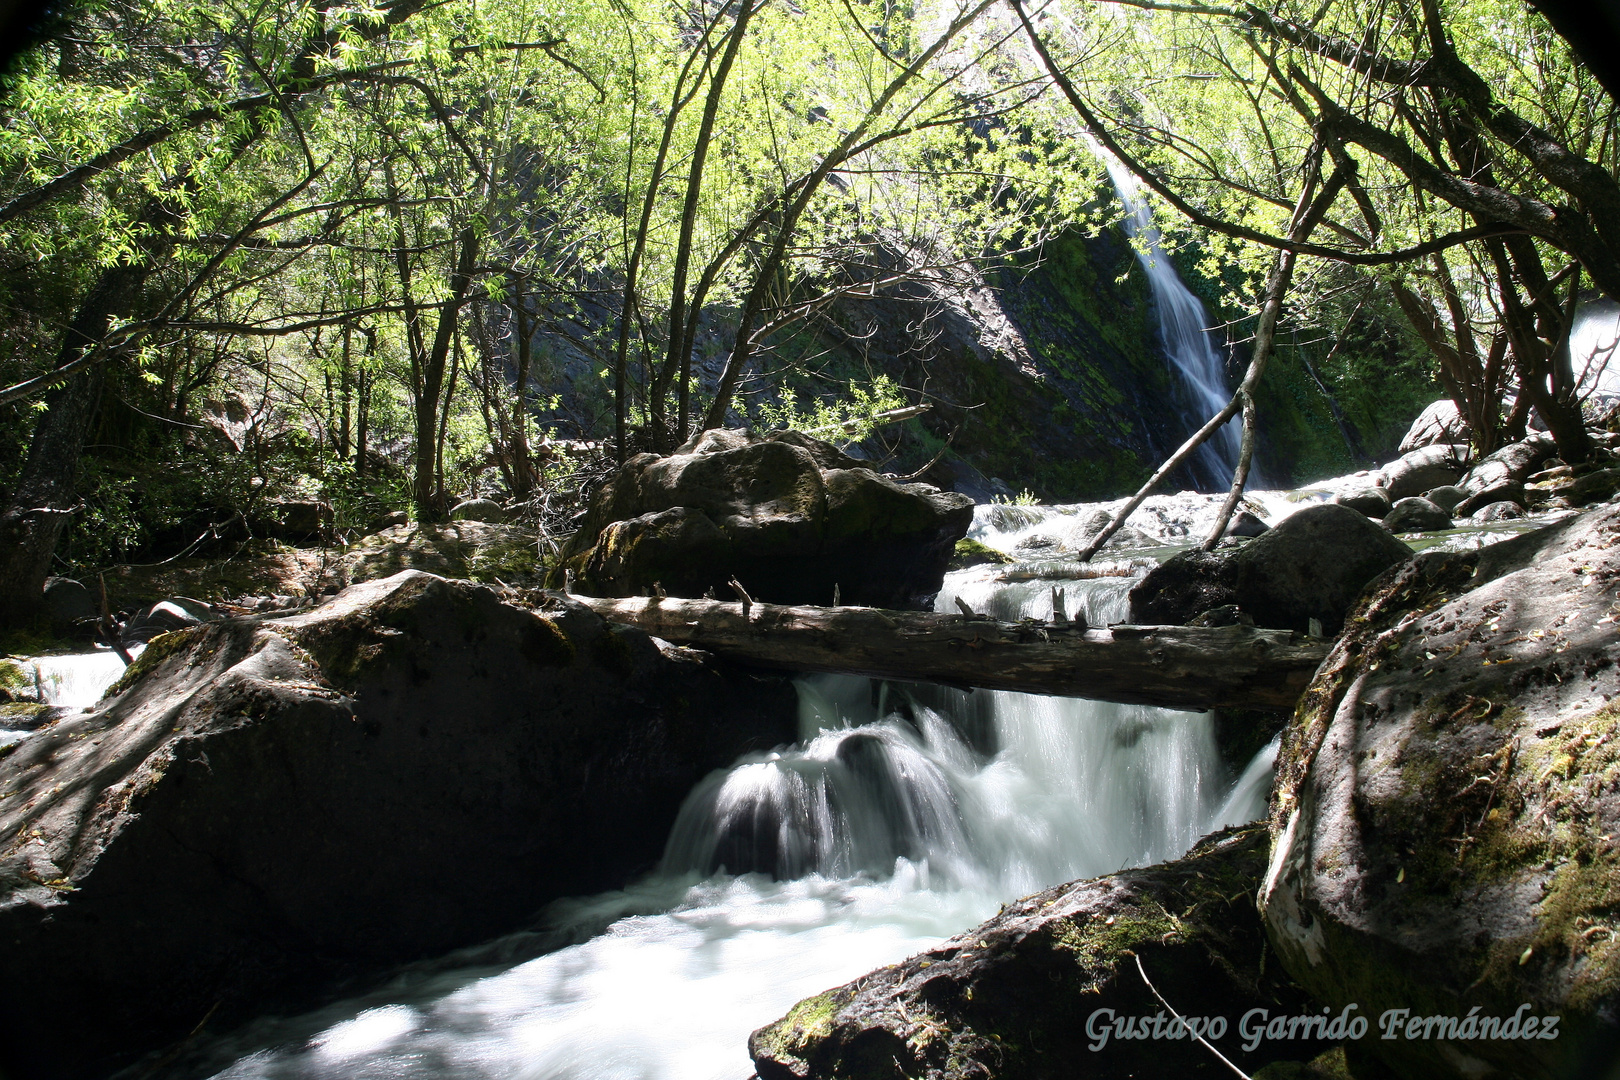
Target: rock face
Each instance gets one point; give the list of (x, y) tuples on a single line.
[(269, 806), (786, 515), (1311, 565), (1447, 798), (1028, 993)]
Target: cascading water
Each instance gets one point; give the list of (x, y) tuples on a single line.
[(1184, 331), (905, 814)]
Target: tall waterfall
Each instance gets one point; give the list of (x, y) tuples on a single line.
[(905, 814), (1184, 332)]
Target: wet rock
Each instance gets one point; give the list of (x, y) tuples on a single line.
[(485, 510), (1447, 797), (1415, 472), (1373, 502), (460, 549), (1497, 511), (1311, 565), (1014, 997), (1446, 497), (1416, 515), (1440, 423), (264, 807), (789, 517)]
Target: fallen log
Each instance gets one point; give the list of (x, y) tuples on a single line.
[(1178, 667)]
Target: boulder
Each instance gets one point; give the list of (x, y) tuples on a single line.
[(67, 602), (1508, 491), (1446, 800), (297, 521), (1497, 511), (1440, 423), (1415, 472), (1593, 487), (388, 521), (789, 517), (1311, 565), (1415, 514), (1446, 497), (166, 616), (1244, 523), (1047, 987), (461, 549), (1510, 465), (1373, 502), (263, 807), (485, 510)]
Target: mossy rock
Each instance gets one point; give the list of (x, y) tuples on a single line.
[(1448, 793), (974, 553), (1014, 996)]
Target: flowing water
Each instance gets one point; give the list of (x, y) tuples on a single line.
[(1184, 332), (904, 815)]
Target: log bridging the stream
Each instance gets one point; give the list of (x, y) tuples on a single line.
[(1178, 667)]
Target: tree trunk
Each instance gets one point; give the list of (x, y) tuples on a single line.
[(48, 487), (1176, 667)]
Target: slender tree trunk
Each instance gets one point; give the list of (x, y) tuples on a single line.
[(522, 467), (424, 492)]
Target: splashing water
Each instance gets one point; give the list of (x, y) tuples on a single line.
[(906, 814)]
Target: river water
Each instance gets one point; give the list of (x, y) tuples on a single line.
[(904, 815)]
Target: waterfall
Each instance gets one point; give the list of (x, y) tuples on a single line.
[(1184, 332), (77, 679), (904, 814)]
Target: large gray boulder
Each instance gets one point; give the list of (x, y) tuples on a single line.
[(261, 808), (1447, 800), (1500, 475), (1311, 565), (791, 518), (1047, 987), (1439, 424), (1417, 471), (1416, 514)]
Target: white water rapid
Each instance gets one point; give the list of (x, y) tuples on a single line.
[(905, 814), (1184, 332)]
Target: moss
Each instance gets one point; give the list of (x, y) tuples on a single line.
[(973, 553), (545, 644), (14, 712), (157, 650), (808, 1022), (612, 651), (1099, 943)]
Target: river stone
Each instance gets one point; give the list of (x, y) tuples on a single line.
[(1012, 997), (1509, 491), (1446, 497), (1417, 471), (1416, 514), (1311, 565), (1446, 800), (263, 807), (1373, 501), (485, 510), (790, 517), (1440, 423), (1497, 511), (1244, 523)]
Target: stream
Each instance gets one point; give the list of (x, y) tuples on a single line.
[(904, 814)]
